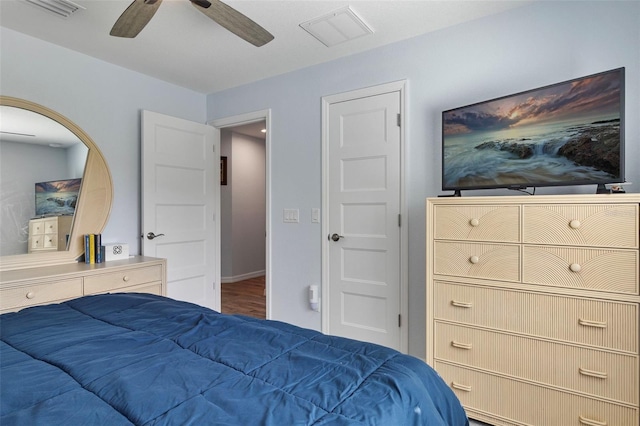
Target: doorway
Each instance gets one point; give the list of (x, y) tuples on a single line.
[(244, 161)]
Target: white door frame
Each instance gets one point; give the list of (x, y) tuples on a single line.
[(247, 118), (398, 86)]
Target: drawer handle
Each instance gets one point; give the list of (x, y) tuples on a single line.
[(474, 222), (575, 267), (589, 323), (592, 373), (125, 278), (460, 345), (461, 387), (590, 422), (575, 224), (31, 295), (461, 304), (474, 259)]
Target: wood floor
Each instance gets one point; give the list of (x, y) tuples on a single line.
[(245, 297)]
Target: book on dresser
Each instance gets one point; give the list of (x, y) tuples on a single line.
[(533, 306)]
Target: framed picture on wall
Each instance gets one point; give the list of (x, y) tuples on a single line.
[(223, 170)]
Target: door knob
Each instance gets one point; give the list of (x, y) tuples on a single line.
[(336, 237), (151, 235)]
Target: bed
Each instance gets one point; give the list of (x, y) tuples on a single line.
[(129, 358)]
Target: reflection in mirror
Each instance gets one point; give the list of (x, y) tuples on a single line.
[(37, 150), (93, 203)]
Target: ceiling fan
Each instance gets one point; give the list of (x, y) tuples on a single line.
[(140, 12)]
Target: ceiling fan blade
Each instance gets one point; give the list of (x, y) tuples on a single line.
[(234, 21), (134, 18)]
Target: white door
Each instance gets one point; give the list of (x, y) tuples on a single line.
[(180, 193), (362, 211)]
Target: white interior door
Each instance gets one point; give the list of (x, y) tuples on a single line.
[(180, 205), (362, 211)]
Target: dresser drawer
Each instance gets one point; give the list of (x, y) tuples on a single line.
[(50, 241), (113, 281), (585, 321), (36, 227), (597, 225), (38, 294), (36, 242), (527, 403), (478, 223), (599, 373), (596, 269), (51, 226), (477, 260), (151, 288)]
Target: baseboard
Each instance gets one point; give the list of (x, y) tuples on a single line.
[(242, 277)]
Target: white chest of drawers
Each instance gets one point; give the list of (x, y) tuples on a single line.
[(53, 284), (533, 307), (49, 233)]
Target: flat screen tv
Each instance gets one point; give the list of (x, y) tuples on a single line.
[(569, 133), (57, 197)]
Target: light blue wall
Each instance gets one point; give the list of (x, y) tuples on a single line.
[(522, 49), (105, 101)]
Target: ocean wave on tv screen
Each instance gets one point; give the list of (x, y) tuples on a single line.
[(574, 152), (55, 203)]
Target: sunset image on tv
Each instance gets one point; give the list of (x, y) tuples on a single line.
[(565, 134), (56, 198)]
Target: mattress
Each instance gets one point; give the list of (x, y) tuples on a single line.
[(121, 359)]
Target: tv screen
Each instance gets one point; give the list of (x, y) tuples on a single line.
[(569, 133), (57, 198)]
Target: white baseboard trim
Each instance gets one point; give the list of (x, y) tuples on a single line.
[(236, 278)]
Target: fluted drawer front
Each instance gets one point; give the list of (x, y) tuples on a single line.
[(38, 294), (596, 269), (36, 226), (599, 373), (598, 225), (125, 278), (51, 226), (477, 260), (585, 321), (479, 223), (36, 242), (530, 404)]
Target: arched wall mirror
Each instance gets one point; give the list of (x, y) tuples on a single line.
[(51, 170)]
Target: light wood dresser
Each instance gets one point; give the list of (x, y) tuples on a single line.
[(53, 284), (533, 307), (49, 233)]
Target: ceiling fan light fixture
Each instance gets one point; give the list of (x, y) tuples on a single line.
[(64, 8), (337, 27)]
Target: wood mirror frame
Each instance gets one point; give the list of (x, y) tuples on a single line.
[(94, 201)]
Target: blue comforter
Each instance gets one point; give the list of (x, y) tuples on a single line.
[(141, 359)]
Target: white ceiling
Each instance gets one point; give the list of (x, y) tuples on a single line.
[(182, 46)]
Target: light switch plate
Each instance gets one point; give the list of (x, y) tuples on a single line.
[(315, 215), (291, 216)]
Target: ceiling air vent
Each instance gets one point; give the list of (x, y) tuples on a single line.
[(60, 7), (337, 27)]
